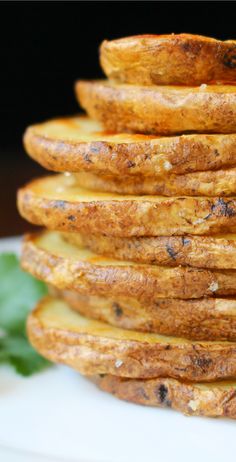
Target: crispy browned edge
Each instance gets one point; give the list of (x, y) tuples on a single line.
[(199, 319), (126, 218), (183, 154), (96, 354), (211, 183), (185, 397), (155, 111), (197, 251), (145, 282), (170, 59)]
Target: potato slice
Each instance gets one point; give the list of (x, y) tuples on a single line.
[(93, 347), (212, 183), (217, 399), (78, 143), (58, 203), (217, 252), (168, 59), (200, 319), (164, 110), (50, 258)]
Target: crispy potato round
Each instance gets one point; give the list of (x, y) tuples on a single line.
[(50, 258), (200, 319), (168, 59), (197, 251), (73, 144), (212, 183), (93, 347), (217, 399), (164, 110), (57, 203)]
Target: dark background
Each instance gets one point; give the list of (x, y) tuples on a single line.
[(46, 46)]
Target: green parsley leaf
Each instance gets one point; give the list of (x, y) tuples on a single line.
[(19, 292)]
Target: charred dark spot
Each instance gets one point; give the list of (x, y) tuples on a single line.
[(94, 149), (185, 241), (162, 394), (229, 58), (216, 152), (60, 205), (171, 251), (223, 208), (143, 393), (102, 375), (168, 347), (207, 216), (71, 218), (147, 156), (203, 363), (153, 261), (130, 164), (117, 309), (87, 158), (185, 46)]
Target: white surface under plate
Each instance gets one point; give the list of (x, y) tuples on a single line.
[(58, 415)]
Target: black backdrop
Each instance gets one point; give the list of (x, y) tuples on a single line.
[(46, 46)]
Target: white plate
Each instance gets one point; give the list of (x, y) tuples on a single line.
[(58, 415)]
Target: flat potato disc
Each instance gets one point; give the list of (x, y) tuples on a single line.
[(168, 59), (93, 347), (212, 183), (200, 319), (73, 144), (50, 258), (197, 251), (58, 203), (164, 110), (217, 399)]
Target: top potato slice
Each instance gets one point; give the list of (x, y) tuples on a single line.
[(169, 59), (77, 144), (93, 347), (163, 110)]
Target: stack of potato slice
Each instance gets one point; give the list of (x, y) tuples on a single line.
[(140, 250)]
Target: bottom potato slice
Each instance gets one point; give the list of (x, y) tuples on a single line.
[(197, 251), (217, 399), (93, 347), (50, 258), (201, 319), (209, 183)]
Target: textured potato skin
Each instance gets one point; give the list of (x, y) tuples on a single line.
[(141, 155), (198, 251), (188, 398), (212, 183), (145, 282), (168, 59), (201, 319), (163, 110), (94, 354), (126, 218)]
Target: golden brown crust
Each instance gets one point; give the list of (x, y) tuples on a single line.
[(211, 400), (54, 203), (59, 145), (169, 59), (212, 183), (56, 262), (92, 347), (217, 252), (161, 110), (200, 319)]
